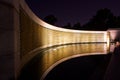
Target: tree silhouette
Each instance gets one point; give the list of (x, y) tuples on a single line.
[(101, 20), (111, 22), (68, 26), (117, 22), (51, 19), (77, 26)]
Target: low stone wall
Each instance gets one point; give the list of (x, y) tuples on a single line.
[(114, 34)]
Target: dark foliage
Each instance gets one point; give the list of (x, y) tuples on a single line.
[(103, 20), (51, 19)]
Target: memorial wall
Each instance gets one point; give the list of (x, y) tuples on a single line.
[(36, 34), (24, 35)]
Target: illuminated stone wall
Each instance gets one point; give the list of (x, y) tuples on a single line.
[(114, 33), (53, 57), (35, 34), (23, 35)]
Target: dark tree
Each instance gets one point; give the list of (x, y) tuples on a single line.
[(77, 26), (117, 22), (51, 19), (101, 20), (68, 26), (111, 22)]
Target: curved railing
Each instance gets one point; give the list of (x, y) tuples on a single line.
[(49, 58), (54, 56), (36, 35)]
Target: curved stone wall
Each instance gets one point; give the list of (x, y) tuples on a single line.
[(35, 34), (24, 35)]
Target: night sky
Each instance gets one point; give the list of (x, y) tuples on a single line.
[(72, 11)]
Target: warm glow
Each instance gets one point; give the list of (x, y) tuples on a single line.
[(56, 55), (108, 40), (37, 35)]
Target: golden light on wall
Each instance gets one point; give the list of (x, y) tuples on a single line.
[(55, 56), (108, 40), (37, 35)]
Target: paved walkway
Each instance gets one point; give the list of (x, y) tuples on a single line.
[(113, 69)]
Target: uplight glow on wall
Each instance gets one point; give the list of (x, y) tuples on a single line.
[(37, 35)]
